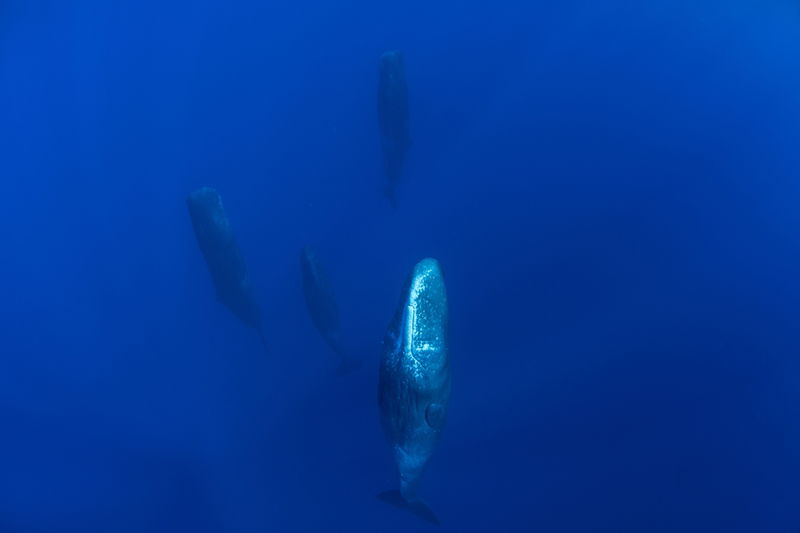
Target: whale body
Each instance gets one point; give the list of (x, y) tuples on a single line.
[(414, 380), (223, 256), (393, 117), (321, 304)]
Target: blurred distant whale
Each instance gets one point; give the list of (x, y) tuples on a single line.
[(223, 257), (414, 381), (393, 117), (321, 304)]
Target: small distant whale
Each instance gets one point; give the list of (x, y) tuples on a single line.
[(414, 381), (321, 304), (393, 117), (223, 257)]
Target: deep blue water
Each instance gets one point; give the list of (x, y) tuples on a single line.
[(612, 189)]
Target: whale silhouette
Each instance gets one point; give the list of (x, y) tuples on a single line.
[(223, 257), (414, 381)]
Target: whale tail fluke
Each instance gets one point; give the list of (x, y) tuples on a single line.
[(393, 497)]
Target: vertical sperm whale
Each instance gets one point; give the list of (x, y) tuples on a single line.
[(414, 381), (223, 257), (321, 304), (393, 117)]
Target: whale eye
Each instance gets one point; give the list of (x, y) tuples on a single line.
[(434, 415)]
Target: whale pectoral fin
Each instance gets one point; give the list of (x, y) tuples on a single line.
[(393, 497), (434, 415)]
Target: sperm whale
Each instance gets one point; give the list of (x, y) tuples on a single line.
[(414, 381), (223, 258), (321, 304), (393, 117)]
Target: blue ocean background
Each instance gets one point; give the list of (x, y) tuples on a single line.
[(612, 189)]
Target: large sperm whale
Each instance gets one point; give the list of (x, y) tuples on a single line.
[(223, 257), (393, 117), (321, 304), (414, 381)]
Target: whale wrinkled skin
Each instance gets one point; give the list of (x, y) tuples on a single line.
[(414, 380)]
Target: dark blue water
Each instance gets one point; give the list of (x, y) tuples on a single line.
[(612, 189)]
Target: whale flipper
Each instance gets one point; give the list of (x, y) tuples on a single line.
[(435, 415), (393, 497)]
